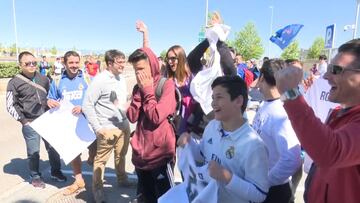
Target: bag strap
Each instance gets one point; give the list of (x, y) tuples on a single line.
[(159, 88), (21, 77)]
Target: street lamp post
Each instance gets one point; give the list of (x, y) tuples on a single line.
[(15, 30), (271, 30), (206, 12), (356, 19)]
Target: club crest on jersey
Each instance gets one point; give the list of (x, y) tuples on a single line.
[(81, 86), (230, 152)]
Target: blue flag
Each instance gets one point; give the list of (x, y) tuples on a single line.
[(285, 36)]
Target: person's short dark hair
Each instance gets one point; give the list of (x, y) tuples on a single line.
[(137, 55), (322, 57), (22, 54), (293, 61), (353, 47), (269, 68), (266, 58), (111, 54), (70, 53), (235, 86)]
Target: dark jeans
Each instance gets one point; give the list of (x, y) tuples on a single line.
[(32, 140), (280, 194), (152, 184)]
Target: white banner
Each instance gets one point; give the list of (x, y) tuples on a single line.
[(198, 186), (68, 134), (317, 98)]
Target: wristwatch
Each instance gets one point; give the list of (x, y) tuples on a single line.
[(290, 94)]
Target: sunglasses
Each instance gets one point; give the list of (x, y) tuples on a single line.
[(336, 69), (30, 63), (172, 59)]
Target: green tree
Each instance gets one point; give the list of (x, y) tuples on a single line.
[(248, 43), (292, 51), (12, 49), (53, 50), (316, 49), (163, 54)]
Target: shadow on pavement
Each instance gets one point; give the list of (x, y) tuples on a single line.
[(19, 167), (26, 201)]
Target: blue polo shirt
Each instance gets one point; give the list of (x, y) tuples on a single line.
[(72, 90)]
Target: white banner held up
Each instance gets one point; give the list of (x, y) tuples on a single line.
[(198, 186), (68, 134)]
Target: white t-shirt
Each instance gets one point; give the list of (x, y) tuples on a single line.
[(273, 125), (322, 68), (58, 67)]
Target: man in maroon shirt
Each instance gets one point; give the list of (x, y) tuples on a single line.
[(153, 141), (334, 146)]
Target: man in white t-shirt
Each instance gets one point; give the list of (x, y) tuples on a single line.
[(273, 125), (322, 65), (58, 66)]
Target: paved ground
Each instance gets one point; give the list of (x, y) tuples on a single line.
[(14, 174)]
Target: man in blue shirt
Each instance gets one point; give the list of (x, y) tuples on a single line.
[(71, 85)]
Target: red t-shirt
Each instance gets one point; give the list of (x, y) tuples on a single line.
[(92, 69)]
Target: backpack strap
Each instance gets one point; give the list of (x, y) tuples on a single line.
[(159, 87), (37, 86)]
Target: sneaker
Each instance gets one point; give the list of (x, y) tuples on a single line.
[(99, 196), (127, 183), (139, 199), (58, 176), (37, 182)]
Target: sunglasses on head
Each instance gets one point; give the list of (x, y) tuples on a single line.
[(336, 69), (30, 63), (171, 59)]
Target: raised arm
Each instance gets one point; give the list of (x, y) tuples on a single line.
[(141, 27)]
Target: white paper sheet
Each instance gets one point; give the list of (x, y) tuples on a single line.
[(68, 134)]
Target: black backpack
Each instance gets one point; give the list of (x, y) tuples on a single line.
[(175, 118)]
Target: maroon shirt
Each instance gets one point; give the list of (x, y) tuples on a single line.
[(153, 141), (334, 147)]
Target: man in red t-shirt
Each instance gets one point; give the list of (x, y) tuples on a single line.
[(92, 67)]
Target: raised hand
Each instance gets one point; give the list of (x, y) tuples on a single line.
[(141, 27), (288, 78)]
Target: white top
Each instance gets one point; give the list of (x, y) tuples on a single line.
[(244, 154), (58, 66), (322, 68), (273, 125)]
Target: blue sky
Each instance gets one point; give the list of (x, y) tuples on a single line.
[(106, 24)]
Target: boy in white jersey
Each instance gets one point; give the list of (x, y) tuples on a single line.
[(237, 156), (273, 125)]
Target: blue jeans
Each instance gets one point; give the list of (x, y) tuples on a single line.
[(32, 140)]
